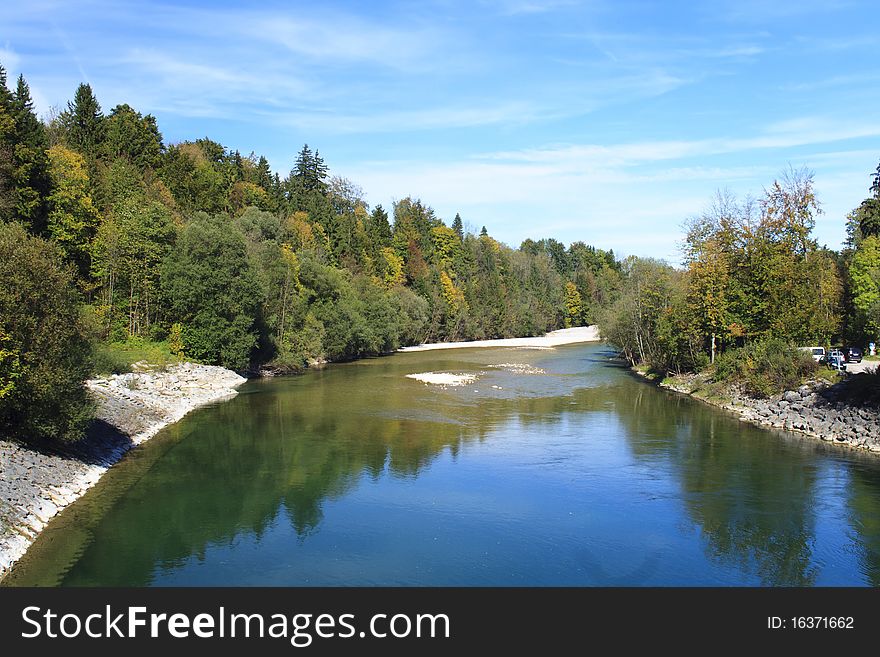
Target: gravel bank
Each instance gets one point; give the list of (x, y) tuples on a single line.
[(37, 483), (552, 339)]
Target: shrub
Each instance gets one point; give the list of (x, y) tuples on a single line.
[(44, 355), (765, 367)]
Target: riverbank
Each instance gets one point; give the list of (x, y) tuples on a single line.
[(37, 483), (574, 335), (827, 412)]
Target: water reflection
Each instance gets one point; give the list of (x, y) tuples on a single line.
[(224, 484)]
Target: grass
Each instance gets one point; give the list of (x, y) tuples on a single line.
[(118, 357)]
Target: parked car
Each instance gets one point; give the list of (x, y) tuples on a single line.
[(852, 354), (818, 353), (836, 360)]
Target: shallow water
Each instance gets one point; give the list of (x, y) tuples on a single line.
[(554, 467)]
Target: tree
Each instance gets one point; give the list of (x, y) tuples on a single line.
[(128, 253), (211, 291), (380, 229), (458, 226), (309, 173), (29, 175), (7, 148), (129, 135), (868, 213), (788, 209), (864, 281), (73, 219), (44, 356), (573, 305), (84, 123), (195, 173), (708, 282)]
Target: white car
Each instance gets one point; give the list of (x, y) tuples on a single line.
[(818, 353)]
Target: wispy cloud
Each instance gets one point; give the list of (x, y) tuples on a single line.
[(801, 131), (383, 121), (8, 58), (345, 39), (518, 7)]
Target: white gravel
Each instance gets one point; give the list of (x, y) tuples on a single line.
[(552, 339)]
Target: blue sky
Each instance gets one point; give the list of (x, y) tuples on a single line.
[(604, 121)]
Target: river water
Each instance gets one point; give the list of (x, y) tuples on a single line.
[(554, 467)]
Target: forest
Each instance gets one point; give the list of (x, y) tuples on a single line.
[(114, 243)]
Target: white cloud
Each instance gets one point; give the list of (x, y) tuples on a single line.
[(9, 59)]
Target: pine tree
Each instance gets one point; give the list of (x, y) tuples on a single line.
[(458, 226), (84, 123), (7, 128), (30, 173), (484, 232), (29, 129), (381, 227), (309, 172)]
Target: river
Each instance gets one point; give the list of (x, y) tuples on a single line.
[(553, 468)]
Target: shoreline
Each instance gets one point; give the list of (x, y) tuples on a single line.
[(37, 484), (552, 339), (816, 410)]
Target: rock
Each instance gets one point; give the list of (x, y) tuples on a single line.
[(791, 396), (35, 486)]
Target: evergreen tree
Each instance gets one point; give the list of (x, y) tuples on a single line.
[(30, 176), (868, 213), (7, 150), (135, 137), (84, 123), (458, 226), (381, 227), (309, 172)]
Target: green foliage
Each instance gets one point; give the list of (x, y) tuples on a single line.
[(411, 312), (128, 252), (47, 356), (175, 340), (650, 322), (129, 135), (198, 176), (763, 276), (10, 365), (24, 179), (73, 218), (84, 123), (118, 357), (864, 284), (212, 292), (765, 367), (573, 305)]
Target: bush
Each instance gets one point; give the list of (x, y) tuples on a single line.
[(117, 357), (44, 353), (765, 367)]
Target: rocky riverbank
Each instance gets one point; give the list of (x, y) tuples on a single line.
[(827, 412), (37, 483)]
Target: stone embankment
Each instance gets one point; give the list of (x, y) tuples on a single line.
[(35, 484), (817, 409), (821, 412)]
